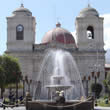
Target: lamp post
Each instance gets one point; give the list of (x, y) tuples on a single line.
[(95, 76), (17, 89), (86, 79), (23, 79), (17, 80), (28, 81), (18, 74)]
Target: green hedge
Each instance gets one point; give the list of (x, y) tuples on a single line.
[(96, 88)]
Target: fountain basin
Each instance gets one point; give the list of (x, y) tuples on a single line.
[(58, 77), (58, 87), (70, 105)]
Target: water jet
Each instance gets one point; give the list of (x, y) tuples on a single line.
[(59, 73)]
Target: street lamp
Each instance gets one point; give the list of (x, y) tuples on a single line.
[(95, 76), (18, 74), (23, 79), (86, 79), (28, 81)]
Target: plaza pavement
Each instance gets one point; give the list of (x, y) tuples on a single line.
[(102, 108), (23, 108)]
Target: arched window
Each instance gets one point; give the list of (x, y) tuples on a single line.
[(19, 32), (90, 32)]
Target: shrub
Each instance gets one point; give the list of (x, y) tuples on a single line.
[(96, 88)]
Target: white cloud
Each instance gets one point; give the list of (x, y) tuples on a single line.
[(106, 30), (74, 35)]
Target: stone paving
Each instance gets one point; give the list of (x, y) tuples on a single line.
[(102, 108), (15, 108), (23, 108)]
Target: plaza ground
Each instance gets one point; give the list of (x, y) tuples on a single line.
[(23, 108)]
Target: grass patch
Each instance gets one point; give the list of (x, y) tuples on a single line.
[(103, 102), (13, 86)]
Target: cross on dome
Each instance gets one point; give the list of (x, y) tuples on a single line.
[(89, 4), (22, 5), (58, 24)]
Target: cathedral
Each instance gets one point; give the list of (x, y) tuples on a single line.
[(87, 49)]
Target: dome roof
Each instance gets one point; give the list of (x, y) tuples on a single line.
[(22, 9), (89, 11), (58, 34)]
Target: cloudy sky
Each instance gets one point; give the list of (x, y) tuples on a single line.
[(48, 12)]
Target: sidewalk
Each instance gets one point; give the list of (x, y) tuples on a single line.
[(23, 108), (15, 108), (102, 108)]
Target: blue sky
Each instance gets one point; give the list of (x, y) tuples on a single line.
[(48, 12)]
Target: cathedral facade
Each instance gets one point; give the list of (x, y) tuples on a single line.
[(87, 49)]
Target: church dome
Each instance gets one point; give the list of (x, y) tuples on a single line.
[(22, 9), (58, 34), (89, 11)]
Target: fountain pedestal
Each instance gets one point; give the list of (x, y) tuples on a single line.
[(57, 86), (28, 98)]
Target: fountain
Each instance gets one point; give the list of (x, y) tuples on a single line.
[(57, 85), (59, 74)]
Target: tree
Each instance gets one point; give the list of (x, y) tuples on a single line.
[(12, 69), (2, 77), (96, 88), (107, 83), (9, 70), (2, 80)]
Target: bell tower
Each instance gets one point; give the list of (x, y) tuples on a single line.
[(20, 30), (89, 29)]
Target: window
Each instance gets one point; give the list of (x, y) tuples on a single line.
[(90, 32), (19, 32)]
